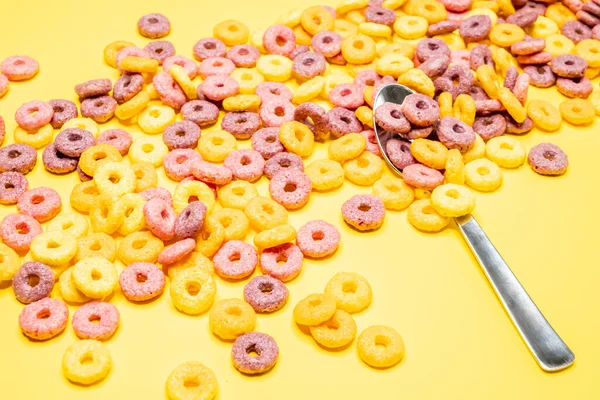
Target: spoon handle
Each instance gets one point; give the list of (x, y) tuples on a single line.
[(550, 352)]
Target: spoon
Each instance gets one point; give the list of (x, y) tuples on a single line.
[(550, 352)]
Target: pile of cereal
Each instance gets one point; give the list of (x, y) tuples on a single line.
[(470, 64)]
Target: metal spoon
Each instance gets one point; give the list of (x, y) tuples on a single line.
[(550, 352)]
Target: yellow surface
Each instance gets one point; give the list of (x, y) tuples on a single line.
[(460, 345)]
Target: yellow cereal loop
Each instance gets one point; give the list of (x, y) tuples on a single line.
[(325, 174), (483, 11), (505, 35), (96, 245), (491, 5), (68, 290), (94, 156), (355, 17), (86, 362), (274, 237), (483, 175), (111, 50), (542, 27), (589, 50), (193, 291), (394, 192), (309, 90), (429, 152), (336, 332), (591, 73), (432, 10), (139, 65), (183, 80), (9, 262), (364, 170), (236, 194), (231, 318), (513, 106), (192, 380), (418, 81), (346, 6), (351, 291), (454, 41), (400, 48), (155, 118), (82, 123), (464, 109), (265, 213), (95, 277), (393, 4), (505, 151), (36, 138), (544, 115), (365, 115), (133, 210), (393, 64), (210, 239), (506, 7), (476, 151), (316, 19), (380, 346), (577, 111), (422, 216), (248, 79), (595, 100), (242, 102), (186, 192), (256, 40), (368, 95), (411, 27), (231, 32), (421, 194), (83, 195), (216, 145), (53, 248), (344, 28), (235, 223), (145, 176), (488, 80), (133, 106), (503, 59), (560, 14), (358, 49), (151, 91), (455, 167), (347, 147), (451, 200), (72, 224), (192, 260), (375, 30), (332, 80), (274, 67), (558, 44), (106, 213), (445, 103), (290, 19), (148, 149), (297, 138), (116, 178), (302, 37), (139, 246), (314, 309)]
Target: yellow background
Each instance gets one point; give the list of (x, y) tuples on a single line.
[(460, 344)]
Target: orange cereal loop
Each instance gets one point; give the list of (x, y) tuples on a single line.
[(93, 156), (316, 19), (359, 49), (231, 32)]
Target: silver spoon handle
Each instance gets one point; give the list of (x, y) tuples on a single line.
[(551, 353)]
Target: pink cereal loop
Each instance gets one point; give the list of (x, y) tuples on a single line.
[(279, 39), (142, 281), (364, 212), (219, 87), (40, 203), (274, 112), (245, 164), (44, 319), (34, 114), (211, 173), (178, 163), (96, 320), (318, 239), (130, 51), (169, 91), (19, 68), (160, 218), (159, 193), (175, 252), (187, 64), (235, 260), (215, 66), (289, 254), (18, 230), (422, 177)]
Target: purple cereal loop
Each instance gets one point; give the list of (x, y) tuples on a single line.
[(315, 117), (488, 106), (418, 133), (189, 222), (74, 141), (175, 252), (576, 31), (275, 112), (475, 28), (512, 73), (97, 320), (456, 80), (188, 65), (219, 87), (477, 93), (435, 66), (160, 218), (422, 177), (318, 239), (308, 65), (160, 50), (93, 88), (279, 39), (265, 294), (181, 135), (168, 90), (18, 230), (209, 47), (391, 118), (100, 109), (241, 124), (215, 66), (540, 75), (64, 110), (596, 32), (548, 159), (347, 95), (490, 126), (455, 134), (157, 193), (282, 161), (118, 138), (290, 188), (575, 88), (12, 185), (18, 158), (442, 28), (254, 342), (244, 55), (569, 66), (518, 128), (399, 153), (421, 110), (527, 47), (299, 50), (178, 163), (83, 177), (41, 203), (34, 114), (44, 318), (210, 173), (522, 18), (200, 112), (235, 260), (56, 162), (364, 212), (367, 77), (266, 142), (327, 43), (588, 18), (431, 47), (245, 164), (380, 15), (342, 122), (142, 281), (273, 91), (32, 282), (538, 8), (480, 55), (127, 86), (283, 262), (154, 26)]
